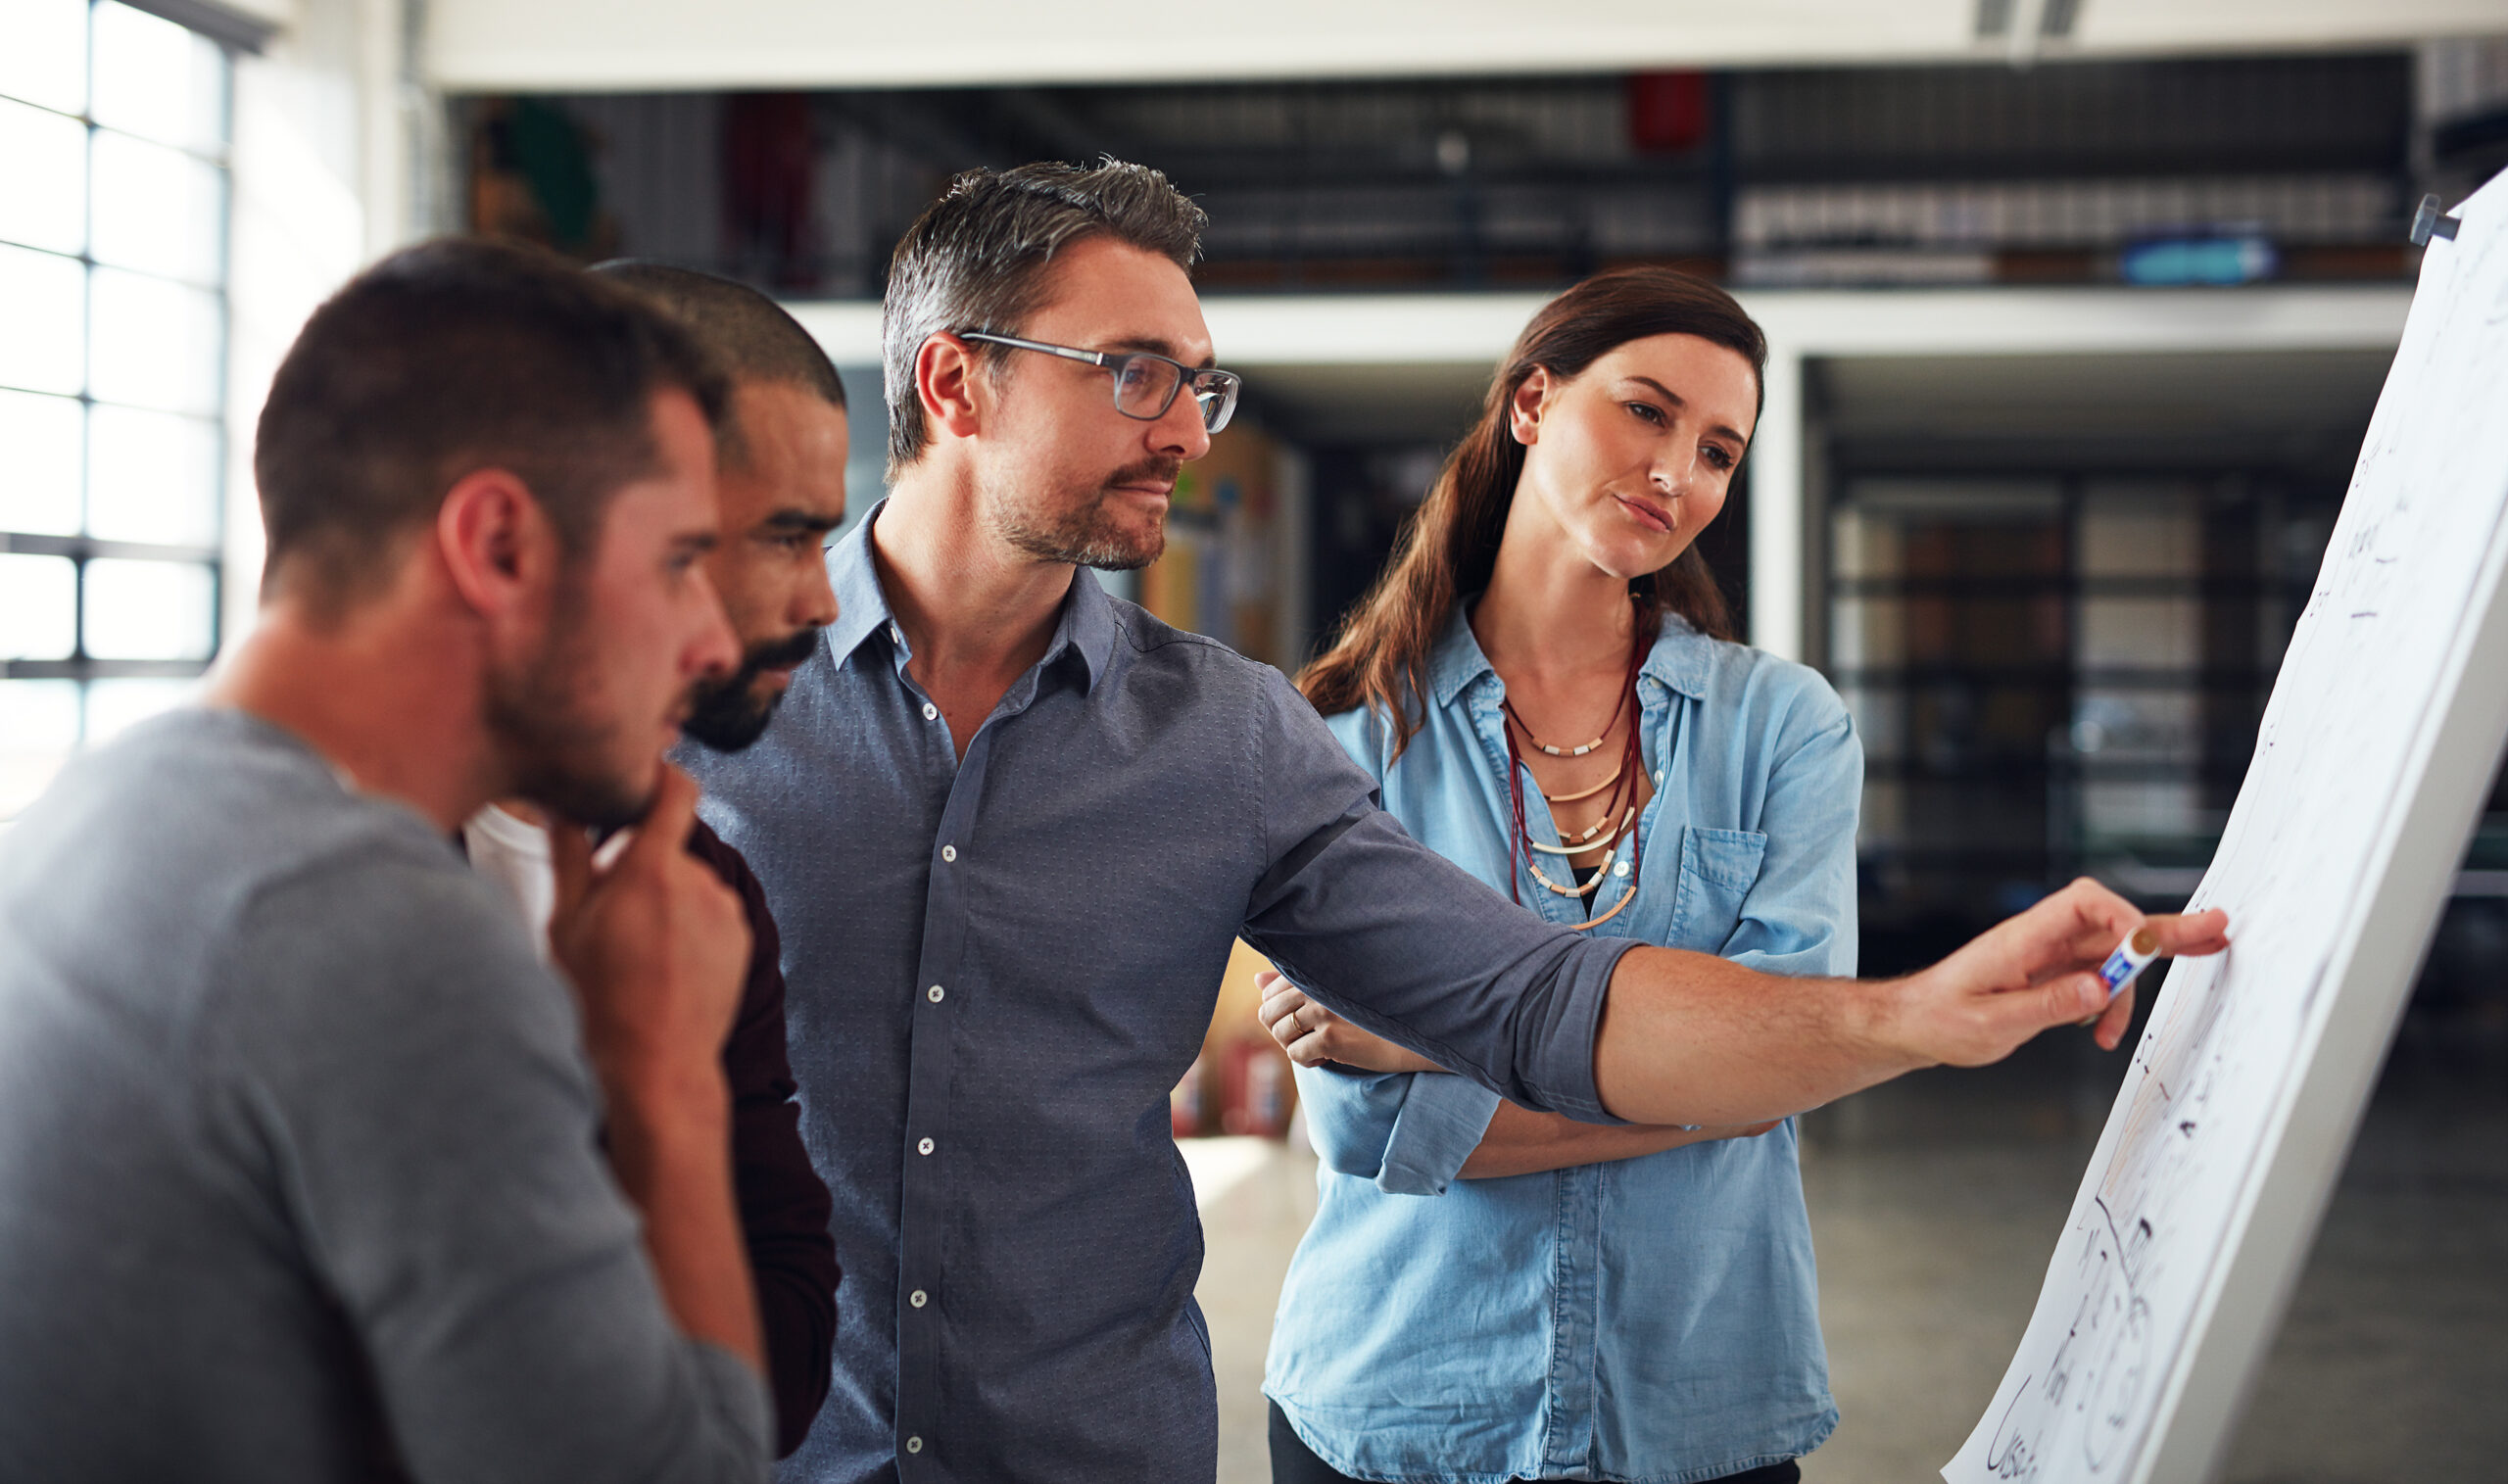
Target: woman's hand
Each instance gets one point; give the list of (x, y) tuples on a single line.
[(1313, 1035)]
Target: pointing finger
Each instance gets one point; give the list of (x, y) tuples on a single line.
[(2191, 933)]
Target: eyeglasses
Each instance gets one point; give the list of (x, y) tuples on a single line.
[(1145, 385)]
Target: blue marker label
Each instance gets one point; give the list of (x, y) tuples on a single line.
[(2132, 956), (2118, 971)]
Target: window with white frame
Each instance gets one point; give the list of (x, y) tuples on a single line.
[(113, 124)]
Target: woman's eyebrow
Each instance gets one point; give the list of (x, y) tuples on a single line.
[(1676, 400)]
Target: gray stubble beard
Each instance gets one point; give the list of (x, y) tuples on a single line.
[(1084, 537)]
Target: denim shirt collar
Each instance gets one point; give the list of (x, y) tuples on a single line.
[(1678, 661), (1086, 628)]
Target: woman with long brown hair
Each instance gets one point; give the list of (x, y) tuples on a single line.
[(1546, 685)]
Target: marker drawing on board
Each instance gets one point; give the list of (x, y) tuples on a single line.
[(2138, 952)]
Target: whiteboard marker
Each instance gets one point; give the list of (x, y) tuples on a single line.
[(2138, 952)]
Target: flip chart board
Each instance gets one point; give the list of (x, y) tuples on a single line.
[(2375, 752)]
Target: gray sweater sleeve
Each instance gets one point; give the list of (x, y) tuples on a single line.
[(383, 1054)]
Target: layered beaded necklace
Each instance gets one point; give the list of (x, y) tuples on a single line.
[(1619, 808)]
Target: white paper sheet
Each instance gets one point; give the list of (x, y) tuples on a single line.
[(2204, 1104)]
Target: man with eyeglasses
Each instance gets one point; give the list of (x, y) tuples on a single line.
[(1011, 826)]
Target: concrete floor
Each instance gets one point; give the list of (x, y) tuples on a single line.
[(1935, 1203), (1250, 1229)]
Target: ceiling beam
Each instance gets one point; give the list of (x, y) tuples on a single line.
[(621, 45)]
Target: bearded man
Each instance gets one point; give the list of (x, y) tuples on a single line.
[(310, 1170), (1011, 827), (780, 478)]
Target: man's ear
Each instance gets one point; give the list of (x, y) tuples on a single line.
[(496, 542), (945, 378), (1524, 407)]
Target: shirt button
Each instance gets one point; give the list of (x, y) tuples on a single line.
[(931, 712), (934, 993), (914, 1445), (917, 1297), (895, 636), (1620, 870), (922, 1146), (1659, 775), (949, 852)]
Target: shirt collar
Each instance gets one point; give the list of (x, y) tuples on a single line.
[(861, 609), (1681, 658), (1457, 662), (1086, 628), (1678, 661)]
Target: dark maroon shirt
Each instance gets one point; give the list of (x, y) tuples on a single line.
[(783, 1206)]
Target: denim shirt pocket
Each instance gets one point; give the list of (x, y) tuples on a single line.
[(1718, 870)]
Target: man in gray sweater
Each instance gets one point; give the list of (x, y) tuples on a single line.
[(308, 1170)]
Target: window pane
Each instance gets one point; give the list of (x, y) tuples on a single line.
[(38, 731), (42, 323), (39, 484), (46, 58), (155, 343), (149, 609), (152, 477), (157, 209), (46, 203), (115, 704), (38, 606), (153, 78)]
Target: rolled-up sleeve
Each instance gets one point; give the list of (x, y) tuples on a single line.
[(1407, 1131), (1403, 942)]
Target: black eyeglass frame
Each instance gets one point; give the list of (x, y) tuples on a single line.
[(1206, 381)]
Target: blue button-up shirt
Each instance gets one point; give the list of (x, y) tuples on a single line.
[(997, 968), (1649, 1318)]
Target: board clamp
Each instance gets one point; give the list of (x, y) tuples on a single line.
[(2430, 221)]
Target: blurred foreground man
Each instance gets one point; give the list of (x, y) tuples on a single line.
[(780, 478), (309, 1169), (1011, 826)]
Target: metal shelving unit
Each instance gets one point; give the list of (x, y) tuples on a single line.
[(2054, 673)]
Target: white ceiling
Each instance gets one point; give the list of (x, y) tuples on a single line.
[(2215, 393), (1469, 332), (1963, 364), (2231, 398), (615, 45)]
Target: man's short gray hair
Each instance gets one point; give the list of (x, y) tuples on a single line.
[(976, 260)]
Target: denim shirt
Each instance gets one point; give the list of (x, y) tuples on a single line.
[(1649, 1319), (997, 966)]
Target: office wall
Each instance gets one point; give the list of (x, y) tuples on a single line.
[(336, 160)]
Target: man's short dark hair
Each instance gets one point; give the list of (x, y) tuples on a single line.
[(449, 356), (976, 260), (751, 335)]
